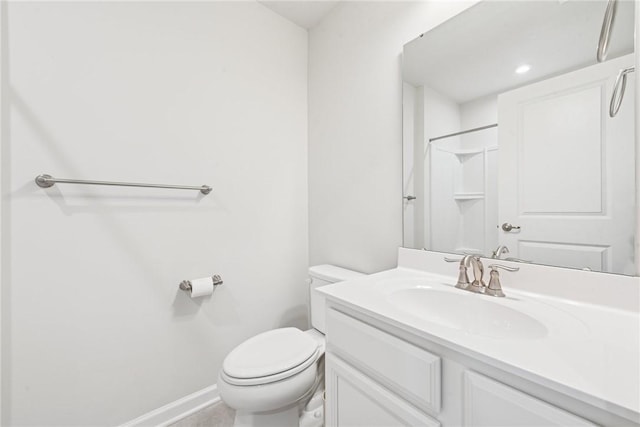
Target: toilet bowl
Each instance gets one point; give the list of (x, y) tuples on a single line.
[(268, 378)]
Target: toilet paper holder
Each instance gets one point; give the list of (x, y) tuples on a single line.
[(185, 285)]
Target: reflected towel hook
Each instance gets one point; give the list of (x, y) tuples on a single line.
[(618, 91), (605, 32)]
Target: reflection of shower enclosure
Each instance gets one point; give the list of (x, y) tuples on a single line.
[(463, 191)]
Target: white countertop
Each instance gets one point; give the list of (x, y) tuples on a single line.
[(587, 351)]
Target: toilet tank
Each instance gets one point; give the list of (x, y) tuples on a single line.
[(321, 275)]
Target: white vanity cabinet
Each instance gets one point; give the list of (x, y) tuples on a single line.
[(378, 374)]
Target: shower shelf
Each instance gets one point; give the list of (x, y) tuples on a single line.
[(468, 196), (462, 152), (468, 152)]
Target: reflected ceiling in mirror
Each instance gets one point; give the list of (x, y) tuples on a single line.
[(507, 141), (478, 51)]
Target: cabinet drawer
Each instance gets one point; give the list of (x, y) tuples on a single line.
[(408, 370)]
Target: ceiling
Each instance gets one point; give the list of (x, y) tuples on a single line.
[(306, 14)]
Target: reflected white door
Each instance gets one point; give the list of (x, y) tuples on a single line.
[(566, 173)]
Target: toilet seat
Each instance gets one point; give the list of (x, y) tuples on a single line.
[(269, 357)]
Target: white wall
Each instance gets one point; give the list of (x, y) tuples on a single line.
[(479, 112), (355, 129), (441, 117), (95, 331)]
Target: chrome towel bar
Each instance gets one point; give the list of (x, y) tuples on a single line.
[(46, 181)]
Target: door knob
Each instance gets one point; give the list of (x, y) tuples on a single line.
[(409, 198), (508, 227)]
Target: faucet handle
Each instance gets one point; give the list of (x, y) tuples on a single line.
[(494, 288), (503, 267), (463, 276)]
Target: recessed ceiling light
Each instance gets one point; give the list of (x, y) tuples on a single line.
[(523, 68)]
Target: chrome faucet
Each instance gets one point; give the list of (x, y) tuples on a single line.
[(502, 249), (478, 285), (463, 277)]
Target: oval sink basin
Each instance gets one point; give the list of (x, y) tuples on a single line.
[(470, 313)]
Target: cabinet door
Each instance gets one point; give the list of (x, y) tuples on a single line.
[(490, 403), (355, 400)]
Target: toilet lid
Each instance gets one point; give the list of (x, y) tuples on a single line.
[(270, 353)]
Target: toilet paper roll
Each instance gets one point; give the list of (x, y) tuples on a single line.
[(201, 287)]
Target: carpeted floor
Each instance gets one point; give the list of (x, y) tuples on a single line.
[(218, 415)]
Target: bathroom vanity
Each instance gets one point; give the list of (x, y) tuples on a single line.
[(404, 347)]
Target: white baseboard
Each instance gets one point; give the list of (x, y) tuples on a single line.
[(177, 410)]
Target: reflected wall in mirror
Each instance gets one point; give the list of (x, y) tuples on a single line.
[(507, 139)]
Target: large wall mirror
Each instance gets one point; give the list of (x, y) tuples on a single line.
[(509, 149)]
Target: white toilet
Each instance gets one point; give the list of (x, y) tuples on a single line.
[(270, 377)]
